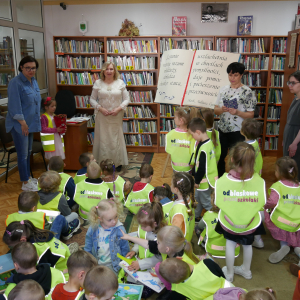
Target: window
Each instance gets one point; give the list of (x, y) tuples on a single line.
[(7, 59), (5, 10), (32, 44), (29, 12)]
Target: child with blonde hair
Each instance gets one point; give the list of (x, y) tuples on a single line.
[(91, 190), (103, 236), (179, 143), (118, 186), (52, 199), (284, 219), (27, 290), (240, 194), (142, 191), (182, 213), (100, 283)]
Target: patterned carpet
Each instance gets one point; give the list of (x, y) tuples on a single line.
[(130, 172)]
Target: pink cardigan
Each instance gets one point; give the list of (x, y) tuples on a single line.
[(44, 125)]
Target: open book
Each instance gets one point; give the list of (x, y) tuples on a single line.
[(193, 78)]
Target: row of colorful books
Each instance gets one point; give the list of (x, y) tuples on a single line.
[(71, 46), (241, 45), (90, 138), (259, 111), (82, 101), (139, 126), (132, 46), (79, 62), (138, 112), (272, 128), (145, 78), (167, 125), (133, 62), (279, 45), (251, 79), (255, 63), (278, 63), (275, 96), (137, 139), (200, 44), (271, 143), (84, 78), (274, 112), (167, 110), (140, 97), (277, 80), (261, 95)]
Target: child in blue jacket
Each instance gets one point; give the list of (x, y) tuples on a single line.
[(103, 238)]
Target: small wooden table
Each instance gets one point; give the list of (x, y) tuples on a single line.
[(75, 141)]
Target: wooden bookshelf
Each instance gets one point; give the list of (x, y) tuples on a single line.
[(164, 43)]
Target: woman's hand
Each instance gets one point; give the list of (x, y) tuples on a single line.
[(130, 254), (135, 266), (225, 109), (116, 111), (292, 149), (24, 128), (104, 111), (232, 111)]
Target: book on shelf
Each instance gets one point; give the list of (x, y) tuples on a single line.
[(131, 46), (82, 101), (275, 96), (244, 25), (79, 62), (274, 113), (5, 78), (192, 78), (72, 46), (252, 79), (271, 143), (137, 139), (261, 62), (162, 140), (84, 78), (133, 62), (272, 128), (140, 97), (136, 126), (90, 138), (167, 110), (139, 112), (259, 140), (240, 45), (278, 63), (277, 80), (166, 125), (145, 78), (186, 44), (279, 45), (179, 26), (90, 119), (260, 95), (259, 111)]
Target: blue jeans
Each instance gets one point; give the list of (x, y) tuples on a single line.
[(60, 226), (23, 146)]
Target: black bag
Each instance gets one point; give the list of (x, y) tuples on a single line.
[(65, 103)]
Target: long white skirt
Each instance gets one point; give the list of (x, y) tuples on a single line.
[(109, 139)]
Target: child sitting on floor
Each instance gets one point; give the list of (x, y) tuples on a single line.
[(163, 194), (84, 159), (142, 191), (117, 185), (25, 257), (91, 190), (79, 263), (51, 198), (67, 185), (27, 289)]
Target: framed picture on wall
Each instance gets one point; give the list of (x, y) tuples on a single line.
[(297, 22), (214, 12)]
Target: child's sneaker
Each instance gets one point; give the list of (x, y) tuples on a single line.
[(228, 277), (74, 247), (258, 243), (34, 180), (278, 256), (29, 186), (73, 227), (239, 270)]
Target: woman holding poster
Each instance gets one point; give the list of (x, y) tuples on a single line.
[(235, 102)]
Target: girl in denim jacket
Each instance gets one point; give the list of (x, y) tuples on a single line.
[(103, 236)]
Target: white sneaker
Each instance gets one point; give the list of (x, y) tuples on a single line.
[(258, 243), (34, 180), (228, 277), (30, 186), (297, 251), (240, 271)]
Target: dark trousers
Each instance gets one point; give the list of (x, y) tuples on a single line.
[(227, 140)]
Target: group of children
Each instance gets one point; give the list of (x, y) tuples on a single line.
[(167, 217)]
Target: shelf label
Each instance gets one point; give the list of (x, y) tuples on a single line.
[(127, 67), (136, 143), (141, 131), (66, 70), (168, 115), (194, 49), (116, 51), (128, 82), (94, 67), (131, 68), (62, 82), (93, 125), (119, 67), (89, 143), (88, 105), (136, 116)]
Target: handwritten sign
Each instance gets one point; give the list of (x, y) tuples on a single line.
[(193, 77)]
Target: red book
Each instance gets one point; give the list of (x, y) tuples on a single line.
[(61, 121)]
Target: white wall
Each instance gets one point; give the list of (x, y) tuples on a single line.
[(270, 18)]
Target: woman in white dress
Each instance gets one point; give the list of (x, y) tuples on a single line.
[(109, 98)]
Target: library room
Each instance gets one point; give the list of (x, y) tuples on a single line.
[(177, 121)]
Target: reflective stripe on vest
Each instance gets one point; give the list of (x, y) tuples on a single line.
[(51, 205), (166, 210), (36, 217), (136, 200), (218, 147), (64, 180), (180, 146), (285, 214), (239, 202), (143, 253), (119, 186), (258, 164), (79, 178)]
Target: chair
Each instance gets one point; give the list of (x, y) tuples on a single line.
[(65, 103), (36, 148)]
